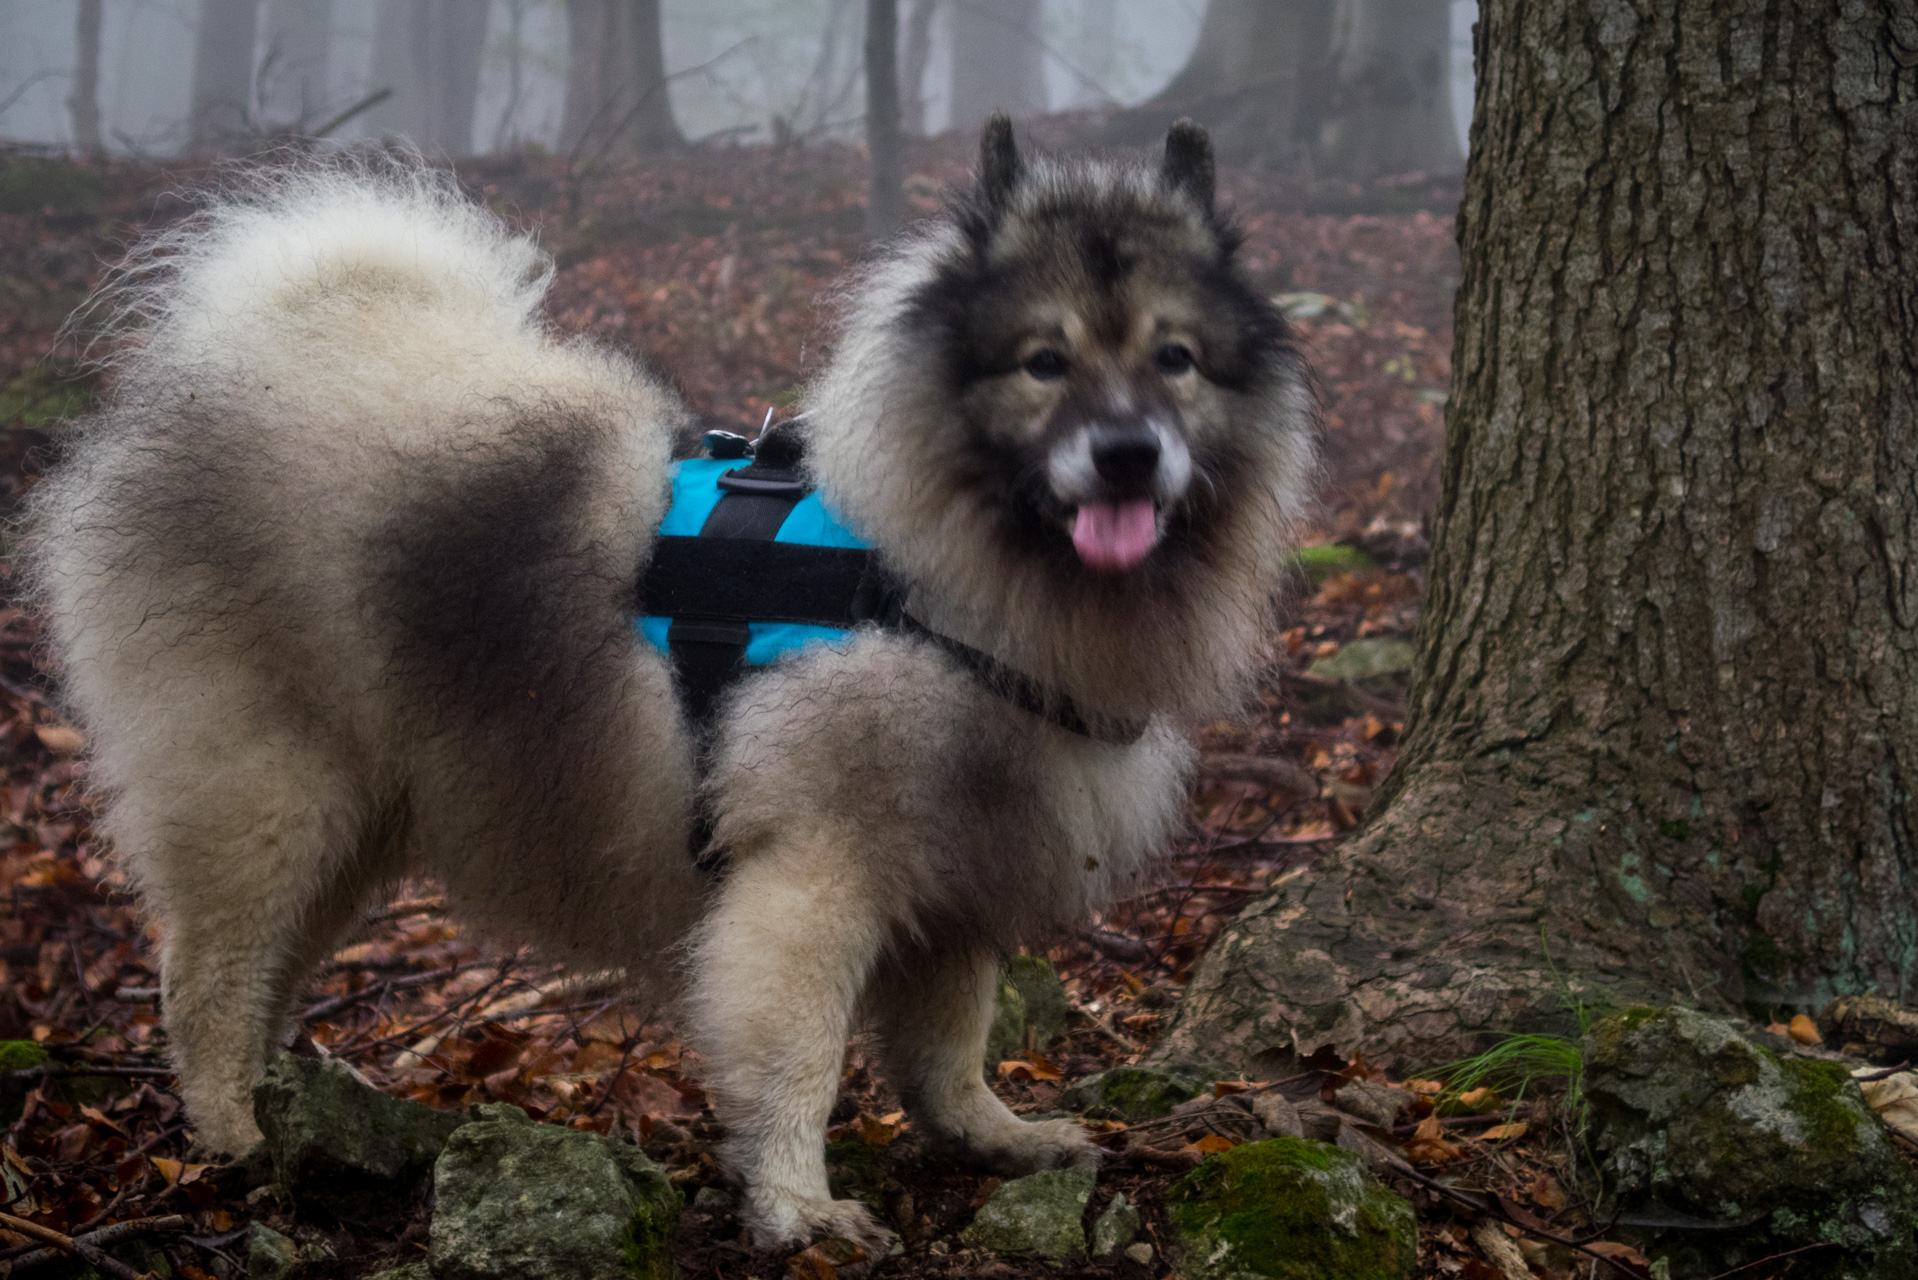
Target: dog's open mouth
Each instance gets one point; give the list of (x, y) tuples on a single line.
[(1115, 536)]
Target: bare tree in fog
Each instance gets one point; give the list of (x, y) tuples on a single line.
[(1092, 63), (1391, 104), (83, 99), (915, 53), (998, 60), (616, 99), (220, 118), (1256, 79), (1356, 88), (885, 199), (504, 133), (293, 74), (428, 53)]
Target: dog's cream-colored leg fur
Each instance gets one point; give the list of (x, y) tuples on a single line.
[(779, 967), (933, 1013), (249, 892)]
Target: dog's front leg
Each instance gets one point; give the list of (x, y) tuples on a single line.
[(933, 1010), (779, 967)]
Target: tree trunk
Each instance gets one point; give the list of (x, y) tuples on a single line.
[(616, 89), (1664, 724), (912, 68), (1093, 62), (220, 117), (293, 74), (84, 98), (1256, 79), (1391, 107), (998, 61), (448, 38), (886, 196)]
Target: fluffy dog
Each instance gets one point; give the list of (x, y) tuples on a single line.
[(340, 583)]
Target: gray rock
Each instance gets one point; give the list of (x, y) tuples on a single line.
[(1691, 1115), (1372, 1103), (405, 1271), (1277, 1115), (269, 1255), (342, 1147), (518, 1201), (1039, 1215), (1289, 1209), (1140, 1253), (1358, 659), (1113, 1230), (1138, 1093), (712, 1200)]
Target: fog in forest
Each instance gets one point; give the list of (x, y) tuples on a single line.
[(467, 77)]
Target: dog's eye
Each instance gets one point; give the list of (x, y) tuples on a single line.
[(1173, 358), (1046, 364)]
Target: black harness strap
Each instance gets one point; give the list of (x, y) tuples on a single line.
[(708, 604), (1026, 693)]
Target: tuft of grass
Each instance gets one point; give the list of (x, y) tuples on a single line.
[(1520, 1063)]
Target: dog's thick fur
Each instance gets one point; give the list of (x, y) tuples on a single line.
[(340, 586)]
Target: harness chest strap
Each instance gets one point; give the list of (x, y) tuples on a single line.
[(717, 584)]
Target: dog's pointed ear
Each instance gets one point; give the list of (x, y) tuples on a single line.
[(1188, 162), (999, 163)]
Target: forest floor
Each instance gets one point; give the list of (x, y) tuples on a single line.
[(720, 269)]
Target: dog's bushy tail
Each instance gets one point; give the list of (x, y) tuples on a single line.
[(354, 252)]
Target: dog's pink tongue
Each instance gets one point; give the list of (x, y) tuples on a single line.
[(1114, 536)]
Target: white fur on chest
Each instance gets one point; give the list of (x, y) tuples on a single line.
[(968, 809)]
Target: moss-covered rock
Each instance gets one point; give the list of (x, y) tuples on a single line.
[(269, 1255), (405, 1271), (1041, 1215), (17, 1055), (1691, 1115), (514, 1200), (1137, 1093), (1290, 1209), (344, 1148), (857, 1170), (1030, 996)]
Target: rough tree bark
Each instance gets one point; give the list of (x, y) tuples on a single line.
[(1391, 102), (885, 192), (998, 60), (617, 104), (1256, 79), (84, 98), (293, 74), (917, 51), (1665, 717), (220, 117)]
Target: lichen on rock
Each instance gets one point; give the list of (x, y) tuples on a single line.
[(1030, 997), (1290, 1209), (343, 1147), (1137, 1093), (514, 1200), (1039, 1215), (1690, 1115)]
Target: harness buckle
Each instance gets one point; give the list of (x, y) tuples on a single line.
[(768, 481)]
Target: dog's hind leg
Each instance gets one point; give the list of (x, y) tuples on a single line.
[(933, 1010), (250, 887), (779, 965)]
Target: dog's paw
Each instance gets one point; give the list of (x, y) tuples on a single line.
[(1028, 1146), (775, 1221)]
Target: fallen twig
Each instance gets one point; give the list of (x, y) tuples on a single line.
[(1885, 1074), (335, 1004), (1747, 1266), (520, 1002), (88, 1248), (1272, 772), (1116, 946)]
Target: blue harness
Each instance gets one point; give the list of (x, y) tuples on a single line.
[(696, 492), (750, 565)]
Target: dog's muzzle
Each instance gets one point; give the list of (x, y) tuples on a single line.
[(1118, 481)]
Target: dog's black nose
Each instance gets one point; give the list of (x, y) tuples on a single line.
[(1126, 460)]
